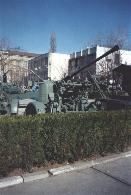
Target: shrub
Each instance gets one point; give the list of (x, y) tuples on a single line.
[(36, 140)]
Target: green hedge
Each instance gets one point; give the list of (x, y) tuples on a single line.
[(34, 141)]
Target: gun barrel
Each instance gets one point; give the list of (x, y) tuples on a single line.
[(115, 48)]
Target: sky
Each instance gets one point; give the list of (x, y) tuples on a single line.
[(76, 23)]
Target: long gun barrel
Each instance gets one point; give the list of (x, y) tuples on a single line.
[(115, 48)]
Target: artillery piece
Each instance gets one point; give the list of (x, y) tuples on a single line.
[(120, 90), (65, 95)]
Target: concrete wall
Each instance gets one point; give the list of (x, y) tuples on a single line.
[(126, 57), (57, 65)]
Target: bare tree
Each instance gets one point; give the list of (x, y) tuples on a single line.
[(63, 72), (107, 64), (6, 62), (117, 37), (53, 42), (4, 55)]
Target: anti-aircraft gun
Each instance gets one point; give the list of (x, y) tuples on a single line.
[(68, 95), (65, 95)]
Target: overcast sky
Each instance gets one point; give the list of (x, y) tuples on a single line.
[(29, 23)]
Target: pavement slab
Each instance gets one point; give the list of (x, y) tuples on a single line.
[(10, 181), (35, 176)]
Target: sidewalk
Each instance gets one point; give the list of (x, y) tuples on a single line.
[(10, 181)]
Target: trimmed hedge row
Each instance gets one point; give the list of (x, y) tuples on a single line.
[(36, 140)]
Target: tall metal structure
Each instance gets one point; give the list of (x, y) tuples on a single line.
[(53, 43)]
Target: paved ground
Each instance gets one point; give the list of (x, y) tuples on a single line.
[(120, 169), (112, 178)]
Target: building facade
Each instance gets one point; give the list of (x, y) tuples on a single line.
[(48, 66), (15, 64), (84, 57), (81, 59)]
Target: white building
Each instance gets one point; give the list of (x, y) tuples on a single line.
[(57, 65), (84, 57), (119, 57), (48, 66)]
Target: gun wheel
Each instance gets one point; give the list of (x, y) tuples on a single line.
[(30, 110)]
